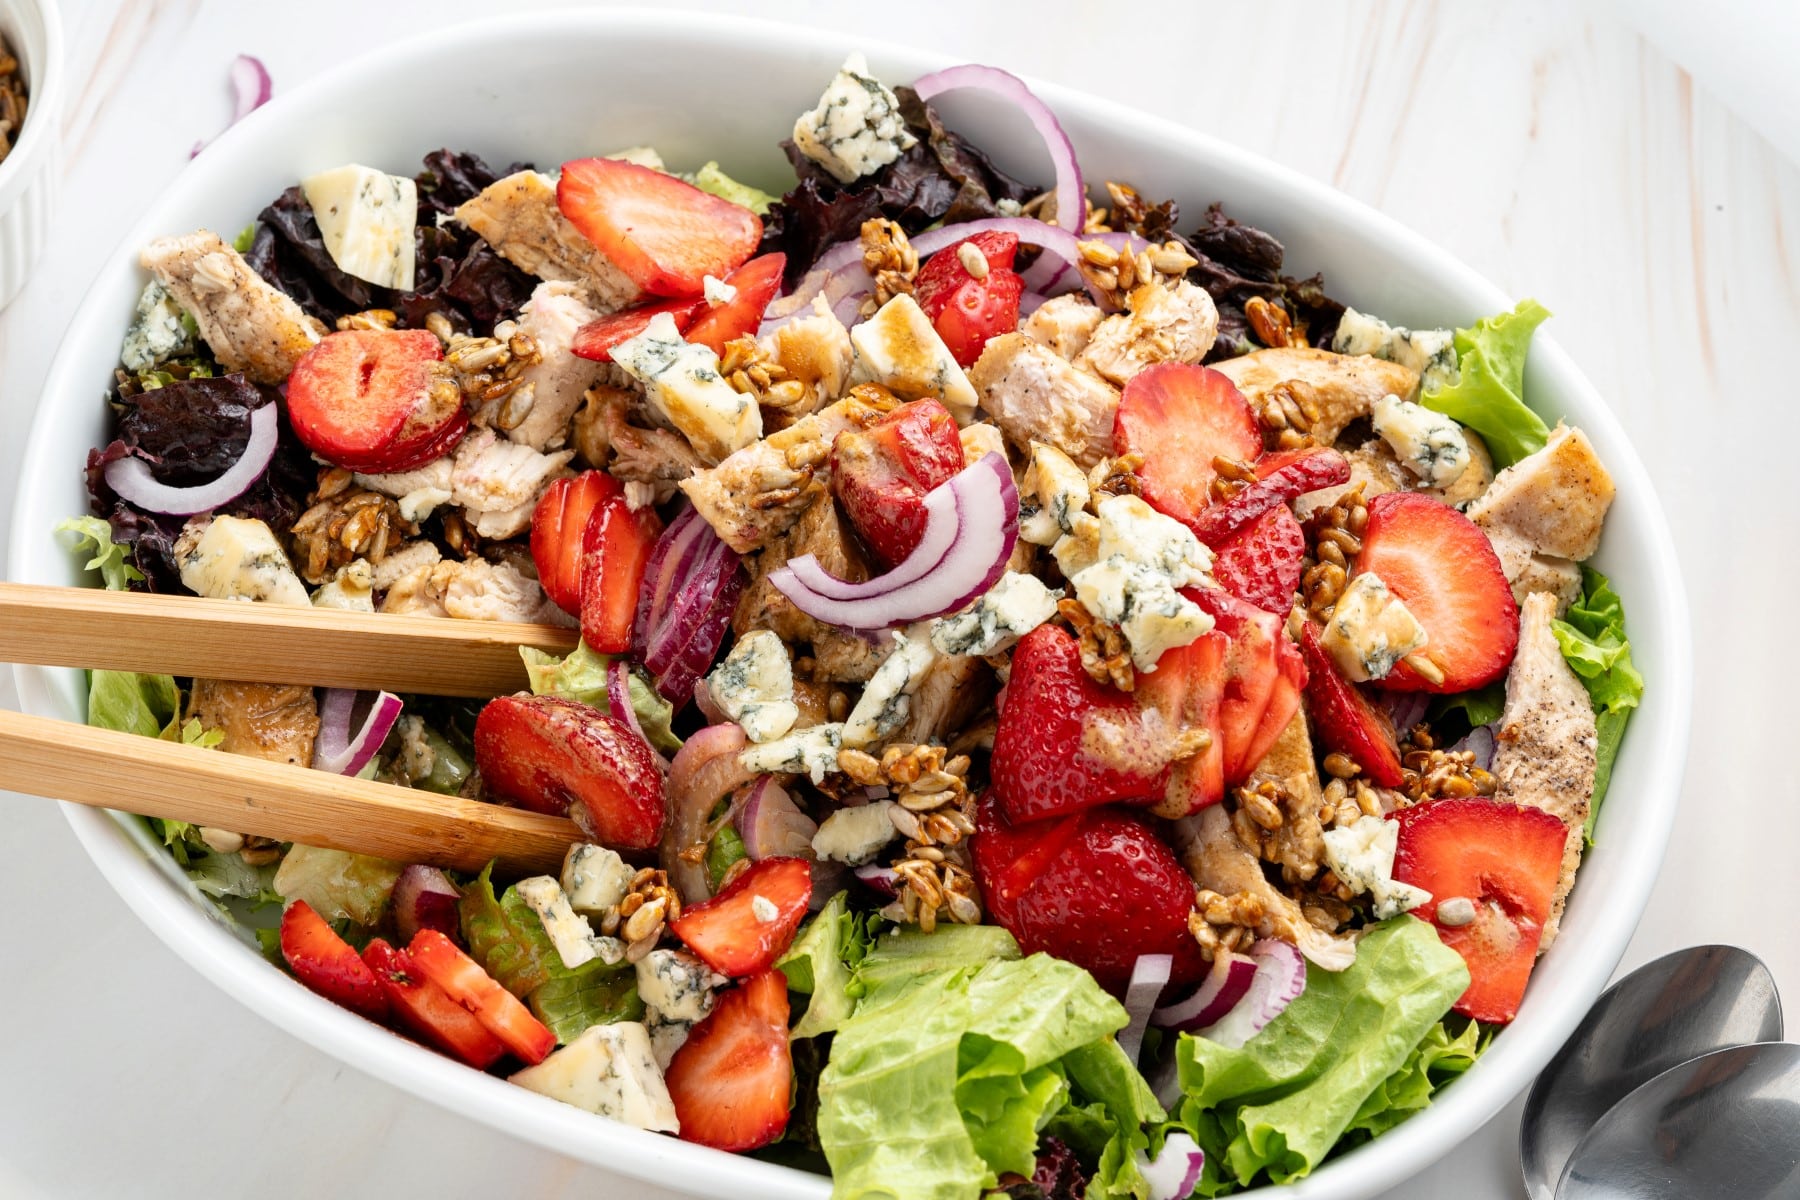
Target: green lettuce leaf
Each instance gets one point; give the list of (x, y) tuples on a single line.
[(338, 884), (1593, 642), (1281, 1102), (710, 179), (819, 965), (592, 994), (110, 558), (901, 955), (1487, 396), (581, 675), (1440, 1057), (1482, 706), (132, 703), (1116, 1106), (228, 875), (725, 849)]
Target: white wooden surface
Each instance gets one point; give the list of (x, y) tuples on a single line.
[(1546, 144)]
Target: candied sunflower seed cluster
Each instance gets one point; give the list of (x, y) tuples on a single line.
[(344, 522), (1334, 538), (753, 371), (643, 913), (889, 258), (1434, 773), (1287, 413), (934, 812), (1224, 922), (1116, 272), (1105, 654)]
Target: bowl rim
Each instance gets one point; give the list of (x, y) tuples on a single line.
[(44, 101), (194, 933)]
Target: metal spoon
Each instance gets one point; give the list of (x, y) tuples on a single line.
[(1725, 1126), (1676, 1008)]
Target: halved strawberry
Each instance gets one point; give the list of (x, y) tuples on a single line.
[(596, 339), (944, 273), (500, 1012), (882, 474), (732, 1080), (1264, 674), (756, 282), (965, 310), (363, 399), (1188, 689), (1503, 858), (1098, 888), (1443, 568), (1180, 418), (750, 924), (614, 550), (667, 236), (564, 758), (557, 525), (324, 962), (1280, 478), (427, 1009), (1064, 742), (1261, 562), (1344, 718)]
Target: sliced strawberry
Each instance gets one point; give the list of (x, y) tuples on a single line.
[(1054, 722), (967, 311), (1180, 418), (427, 1009), (564, 758), (1503, 858), (750, 924), (1098, 888), (324, 962), (756, 282), (557, 525), (1261, 562), (614, 551), (1280, 478), (882, 474), (596, 339), (944, 273), (1188, 689), (1344, 718), (732, 1079), (363, 399), (500, 1012), (667, 236), (1443, 568), (1263, 677)]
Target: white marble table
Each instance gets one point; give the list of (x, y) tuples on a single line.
[(1548, 146)]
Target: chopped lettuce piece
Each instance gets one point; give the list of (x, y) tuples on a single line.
[(228, 875), (1116, 1106), (1279, 1104), (901, 955), (710, 179), (338, 884), (592, 994), (132, 703), (819, 964), (110, 557), (726, 848), (1592, 637), (581, 675), (1487, 394), (1440, 1057)]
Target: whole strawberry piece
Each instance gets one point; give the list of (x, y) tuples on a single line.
[(882, 474), (666, 235), (1097, 888), (564, 758), (368, 400), (1443, 568), (1064, 742), (1180, 418), (1261, 562), (1344, 718)]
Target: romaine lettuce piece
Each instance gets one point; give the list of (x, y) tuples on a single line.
[(1491, 372), (901, 955), (581, 675), (1593, 642), (711, 179), (819, 963), (338, 884)]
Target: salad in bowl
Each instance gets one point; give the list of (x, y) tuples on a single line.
[(1063, 706)]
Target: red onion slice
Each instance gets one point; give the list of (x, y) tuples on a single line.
[(1222, 988), (251, 88), (653, 591), (976, 558), (696, 582), (705, 771), (618, 698), (1149, 976), (131, 478), (424, 898), (1280, 978), (772, 825), (941, 525), (1404, 709), (337, 750), (695, 657), (1479, 740), (1071, 193), (883, 881), (1175, 1172)]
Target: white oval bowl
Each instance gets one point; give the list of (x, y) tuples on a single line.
[(30, 175), (552, 87)]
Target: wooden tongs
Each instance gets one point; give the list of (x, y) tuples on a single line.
[(267, 643)]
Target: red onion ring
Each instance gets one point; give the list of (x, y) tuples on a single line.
[(336, 750), (942, 521), (1279, 980), (618, 697), (659, 575), (772, 825), (131, 478), (1175, 1172), (1071, 192), (1149, 976), (705, 771), (1215, 996), (251, 88)]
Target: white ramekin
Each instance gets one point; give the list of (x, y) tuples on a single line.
[(30, 174)]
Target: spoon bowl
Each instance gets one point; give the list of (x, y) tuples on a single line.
[(1725, 1126), (1666, 1012)]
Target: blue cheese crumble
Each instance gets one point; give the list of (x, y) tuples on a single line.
[(1127, 564), (856, 128), (900, 349), (1370, 630), (1012, 608), (1432, 446), (812, 752), (158, 332), (1055, 492), (595, 878), (610, 1070), (568, 930), (1430, 352), (887, 697), (677, 986), (754, 686), (1362, 855), (856, 834), (683, 387)]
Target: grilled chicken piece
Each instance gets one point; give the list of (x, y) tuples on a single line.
[(756, 494), (519, 217), (1213, 855), (1374, 465), (1550, 504), (499, 483), (274, 721), (953, 689), (1035, 395), (1344, 386), (1165, 324), (837, 655), (559, 379), (249, 325), (603, 431), (473, 590), (1065, 324), (402, 562), (418, 492), (1544, 751)]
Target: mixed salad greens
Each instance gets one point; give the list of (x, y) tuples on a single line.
[(1063, 708)]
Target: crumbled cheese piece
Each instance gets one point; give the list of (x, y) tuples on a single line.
[(569, 931), (610, 1070), (812, 751), (717, 291), (754, 686), (1012, 608), (1430, 352), (1432, 446), (1370, 630), (677, 986), (1127, 564), (900, 349), (594, 878), (160, 330), (1362, 855), (236, 558), (856, 834), (856, 128), (352, 589), (1059, 491), (366, 220), (887, 697), (683, 386), (763, 908)]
